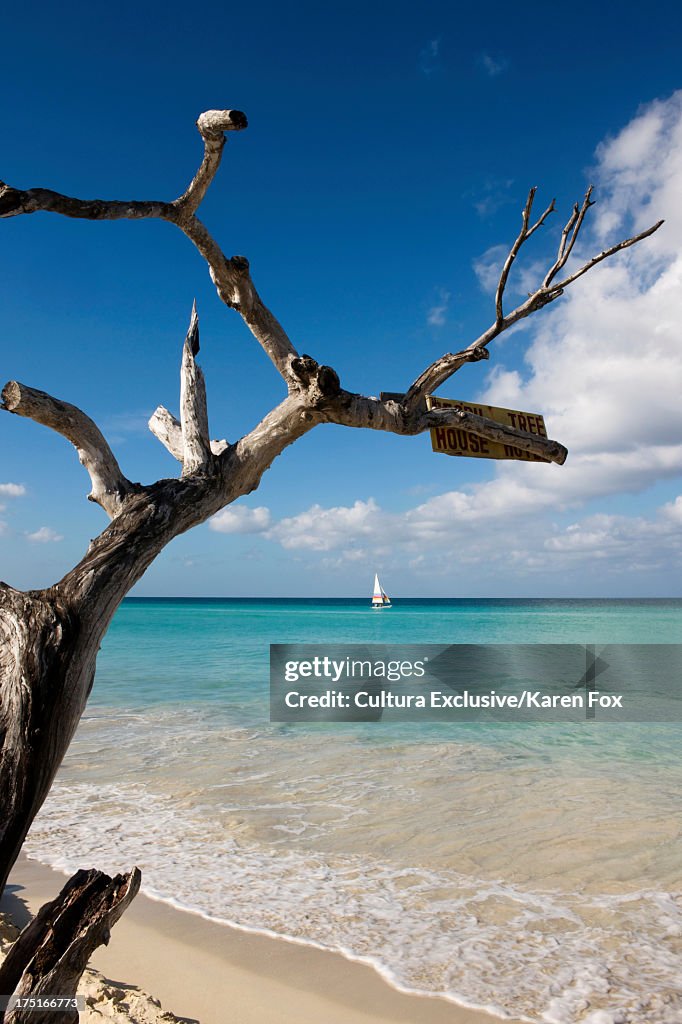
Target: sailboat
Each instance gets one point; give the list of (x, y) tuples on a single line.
[(380, 598)]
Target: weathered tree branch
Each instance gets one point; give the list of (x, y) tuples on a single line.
[(322, 400), (109, 486), (212, 126), (484, 427), (523, 236), (14, 202), (231, 277), (164, 426), (604, 255), (352, 410), (569, 236), (51, 953), (196, 443), (438, 372), (188, 439), (442, 369)]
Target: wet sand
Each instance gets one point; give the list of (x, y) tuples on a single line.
[(209, 972)]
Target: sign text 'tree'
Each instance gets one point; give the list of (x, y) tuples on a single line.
[(454, 440)]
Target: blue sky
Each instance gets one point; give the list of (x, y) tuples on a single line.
[(385, 164)]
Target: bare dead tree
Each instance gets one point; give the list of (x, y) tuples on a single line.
[(49, 638)]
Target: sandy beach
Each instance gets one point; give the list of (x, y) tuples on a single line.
[(206, 972)]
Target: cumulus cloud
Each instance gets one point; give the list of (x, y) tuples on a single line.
[(241, 519), (325, 529), (673, 510), (604, 366), (45, 535), (623, 543), (499, 528), (605, 363), (525, 278), (9, 490), (12, 490)]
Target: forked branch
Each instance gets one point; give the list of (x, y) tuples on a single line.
[(550, 289), (314, 391), (188, 439), (523, 236), (231, 276), (109, 486), (168, 430), (212, 125)]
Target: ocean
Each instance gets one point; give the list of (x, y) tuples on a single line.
[(530, 869)]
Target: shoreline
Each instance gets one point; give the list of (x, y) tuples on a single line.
[(220, 971)]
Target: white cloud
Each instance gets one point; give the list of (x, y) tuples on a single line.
[(12, 490), (241, 519), (604, 366), (622, 542), (488, 266), (437, 314), (326, 529), (45, 535), (673, 510), (502, 526), (525, 277)]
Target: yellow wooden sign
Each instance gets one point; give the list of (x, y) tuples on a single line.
[(453, 440)]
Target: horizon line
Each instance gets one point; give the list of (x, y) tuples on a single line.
[(407, 597)]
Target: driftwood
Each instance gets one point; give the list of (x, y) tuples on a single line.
[(49, 639), (51, 953)]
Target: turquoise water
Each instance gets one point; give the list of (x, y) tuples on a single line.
[(217, 649), (532, 869)]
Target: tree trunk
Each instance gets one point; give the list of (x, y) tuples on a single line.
[(51, 953), (46, 678), (49, 642)]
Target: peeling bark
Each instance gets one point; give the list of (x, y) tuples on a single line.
[(51, 953), (168, 430), (109, 486), (196, 444), (39, 660)]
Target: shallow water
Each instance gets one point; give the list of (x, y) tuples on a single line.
[(535, 868)]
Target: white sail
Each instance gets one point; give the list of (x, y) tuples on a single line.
[(380, 598)]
